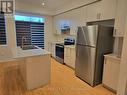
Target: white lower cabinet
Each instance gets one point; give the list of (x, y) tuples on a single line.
[(53, 49), (69, 56), (38, 71), (111, 73)]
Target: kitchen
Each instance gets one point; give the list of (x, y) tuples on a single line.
[(61, 28)]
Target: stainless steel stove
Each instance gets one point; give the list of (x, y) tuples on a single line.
[(60, 49)]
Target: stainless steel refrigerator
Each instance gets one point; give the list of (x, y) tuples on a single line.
[(92, 43)]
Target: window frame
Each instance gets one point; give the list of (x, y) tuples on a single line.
[(6, 37)]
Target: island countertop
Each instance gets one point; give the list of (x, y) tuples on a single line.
[(29, 53), (19, 53)]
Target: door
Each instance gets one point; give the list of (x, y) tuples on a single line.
[(111, 68), (73, 58), (108, 12), (77, 19), (85, 63), (87, 35), (67, 55), (120, 19), (60, 51), (93, 12)]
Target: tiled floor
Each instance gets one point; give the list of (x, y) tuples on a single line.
[(63, 82)]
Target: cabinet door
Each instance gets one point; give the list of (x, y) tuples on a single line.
[(93, 12), (53, 50), (73, 55), (111, 73), (56, 25), (67, 57), (108, 9), (77, 19), (120, 18), (101, 10)]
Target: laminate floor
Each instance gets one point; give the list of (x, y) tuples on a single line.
[(63, 82)]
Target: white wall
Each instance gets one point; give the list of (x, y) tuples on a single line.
[(123, 67), (10, 48), (11, 34), (49, 34)]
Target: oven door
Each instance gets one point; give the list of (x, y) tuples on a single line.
[(60, 53)]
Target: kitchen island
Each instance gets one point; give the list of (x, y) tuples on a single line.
[(34, 65)]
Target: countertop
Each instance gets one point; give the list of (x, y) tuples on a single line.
[(24, 53), (70, 46), (29, 53), (114, 56)]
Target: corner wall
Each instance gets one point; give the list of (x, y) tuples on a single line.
[(122, 86)]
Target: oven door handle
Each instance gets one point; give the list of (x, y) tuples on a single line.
[(59, 46)]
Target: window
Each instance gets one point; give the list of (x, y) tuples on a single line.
[(2, 29), (32, 28)]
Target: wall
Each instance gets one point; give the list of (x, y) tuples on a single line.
[(122, 87), (10, 48), (49, 34), (11, 34)]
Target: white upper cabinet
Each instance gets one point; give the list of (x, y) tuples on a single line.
[(60, 20), (102, 10), (120, 18), (75, 18), (108, 9), (93, 12), (56, 24)]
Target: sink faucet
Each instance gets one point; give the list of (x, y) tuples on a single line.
[(23, 39)]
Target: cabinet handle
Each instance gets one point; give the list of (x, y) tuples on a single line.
[(99, 16)]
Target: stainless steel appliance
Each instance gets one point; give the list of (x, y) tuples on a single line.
[(92, 43), (60, 52), (69, 41), (60, 48)]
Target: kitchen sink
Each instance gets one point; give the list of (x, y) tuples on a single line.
[(28, 47)]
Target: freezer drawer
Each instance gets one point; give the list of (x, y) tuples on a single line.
[(85, 63)]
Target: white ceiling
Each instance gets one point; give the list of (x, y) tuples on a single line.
[(56, 5), (50, 4)]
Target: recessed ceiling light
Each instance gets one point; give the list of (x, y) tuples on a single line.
[(43, 3)]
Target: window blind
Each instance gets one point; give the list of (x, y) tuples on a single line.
[(37, 34), (32, 31), (2, 29)]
